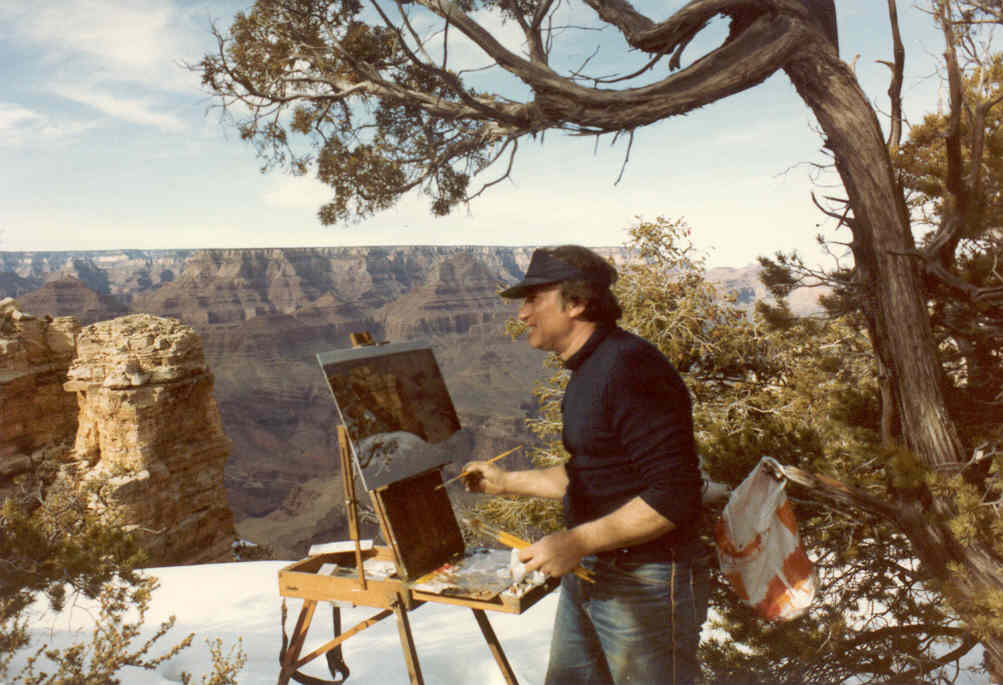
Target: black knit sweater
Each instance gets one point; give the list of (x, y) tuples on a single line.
[(629, 429)]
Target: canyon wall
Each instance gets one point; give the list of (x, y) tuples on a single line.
[(127, 405), (38, 419)]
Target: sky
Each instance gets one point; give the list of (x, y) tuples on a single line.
[(110, 143)]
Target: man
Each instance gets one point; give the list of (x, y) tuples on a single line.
[(631, 489)]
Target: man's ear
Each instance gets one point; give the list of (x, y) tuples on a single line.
[(574, 309)]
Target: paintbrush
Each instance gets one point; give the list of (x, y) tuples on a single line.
[(510, 540), (467, 473)]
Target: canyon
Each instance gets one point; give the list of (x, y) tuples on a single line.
[(263, 315)]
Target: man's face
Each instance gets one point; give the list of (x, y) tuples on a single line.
[(550, 323)]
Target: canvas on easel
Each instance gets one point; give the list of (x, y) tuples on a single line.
[(400, 418), (394, 402)]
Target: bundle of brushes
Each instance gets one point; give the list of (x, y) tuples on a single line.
[(515, 542)]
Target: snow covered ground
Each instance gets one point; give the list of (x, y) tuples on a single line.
[(241, 601)]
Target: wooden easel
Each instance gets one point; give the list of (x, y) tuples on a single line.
[(418, 523)]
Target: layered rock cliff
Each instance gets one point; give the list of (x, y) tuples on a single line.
[(458, 293), (75, 298), (38, 419), (121, 273), (149, 424), (127, 404)]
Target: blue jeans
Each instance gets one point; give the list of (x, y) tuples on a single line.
[(639, 623)]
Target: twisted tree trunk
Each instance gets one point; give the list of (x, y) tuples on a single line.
[(884, 251), (885, 255)]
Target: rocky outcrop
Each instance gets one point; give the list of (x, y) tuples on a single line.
[(149, 427), (125, 405), (38, 419)]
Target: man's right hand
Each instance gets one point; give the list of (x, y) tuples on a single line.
[(480, 476)]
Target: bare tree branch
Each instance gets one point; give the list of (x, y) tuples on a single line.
[(626, 158), (508, 170), (895, 87), (841, 494), (537, 49), (946, 240)]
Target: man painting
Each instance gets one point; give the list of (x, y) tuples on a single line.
[(631, 489)]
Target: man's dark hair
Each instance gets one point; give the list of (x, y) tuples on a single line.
[(600, 304)]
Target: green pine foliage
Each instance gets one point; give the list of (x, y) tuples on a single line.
[(54, 543), (368, 164), (225, 667)]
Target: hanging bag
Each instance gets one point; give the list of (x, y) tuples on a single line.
[(759, 548)]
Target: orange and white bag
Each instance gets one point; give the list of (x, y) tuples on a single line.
[(759, 548)]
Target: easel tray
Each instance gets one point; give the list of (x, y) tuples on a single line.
[(473, 580)]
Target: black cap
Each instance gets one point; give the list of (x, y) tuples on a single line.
[(545, 268)]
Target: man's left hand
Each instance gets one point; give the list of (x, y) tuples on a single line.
[(554, 555)]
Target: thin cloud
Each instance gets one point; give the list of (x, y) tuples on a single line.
[(20, 126), (124, 40), (16, 124), (137, 111), (129, 34), (14, 116)]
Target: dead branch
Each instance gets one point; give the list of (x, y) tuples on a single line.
[(895, 87), (840, 494), (843, 217), (626, 158), (950, 230), (508, 170)]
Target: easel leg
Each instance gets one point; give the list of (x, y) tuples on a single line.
[(292, 653), (496, 648), (407, 644), (335, 659)]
